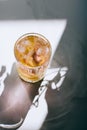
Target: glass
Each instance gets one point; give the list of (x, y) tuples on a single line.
[(32, 52)]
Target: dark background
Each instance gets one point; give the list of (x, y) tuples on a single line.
[(72, 52)]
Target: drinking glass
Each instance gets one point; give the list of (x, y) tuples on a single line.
[(32, 52)]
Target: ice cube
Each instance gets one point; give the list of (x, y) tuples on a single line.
[(20, 48), (39, 51), (26, 42)]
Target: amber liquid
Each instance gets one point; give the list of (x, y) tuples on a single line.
[(32, 52)]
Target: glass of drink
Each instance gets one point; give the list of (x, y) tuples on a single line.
[(32, 52)]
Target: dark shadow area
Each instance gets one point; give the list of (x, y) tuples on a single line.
[(68, 107), (16, 98)]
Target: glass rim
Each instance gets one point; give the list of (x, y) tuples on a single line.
[(32, 34)]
